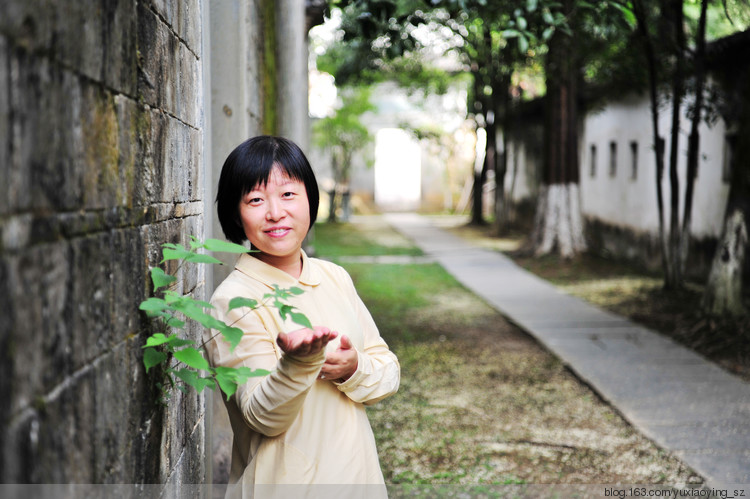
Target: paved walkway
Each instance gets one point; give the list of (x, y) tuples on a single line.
[(678, 399)]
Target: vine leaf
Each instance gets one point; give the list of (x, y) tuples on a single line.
[(192, 368), (229, 378), (224, 246), (152, 357), (160, 278), (193, 379), (156, 339), (301, 319), (240, 302), (152, 306), (232, 334), (192, 357)]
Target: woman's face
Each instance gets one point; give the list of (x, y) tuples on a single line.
[(276, 218)]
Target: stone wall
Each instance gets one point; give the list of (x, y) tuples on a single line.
[(101, 144)]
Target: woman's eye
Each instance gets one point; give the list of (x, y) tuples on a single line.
[(288, 194)]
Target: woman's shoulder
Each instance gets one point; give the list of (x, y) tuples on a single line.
[(330, 269), (238, 283)]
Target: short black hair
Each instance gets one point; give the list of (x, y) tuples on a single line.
[(250, 164)]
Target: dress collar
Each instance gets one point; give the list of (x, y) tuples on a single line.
[(270, 275)]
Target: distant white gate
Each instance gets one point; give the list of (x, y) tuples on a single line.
[(398, 170)]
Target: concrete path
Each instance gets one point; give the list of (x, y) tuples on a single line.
[(678, 399)]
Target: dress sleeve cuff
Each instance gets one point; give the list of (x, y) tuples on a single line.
[(364, 368)]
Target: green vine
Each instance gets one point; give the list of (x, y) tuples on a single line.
[(182, 360)]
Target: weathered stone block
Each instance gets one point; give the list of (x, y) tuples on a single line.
[(127, 112), (30, 25), (6, 358), (129, 281), (95, 38), (101, 146), (185, 421), (184, 19), (43, 172), (169, 75), (5, 127), (112, 429), (39, 334), (89, 298), (173, 172)]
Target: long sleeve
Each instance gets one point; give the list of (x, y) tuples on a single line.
[(269, 404), (378, 373), (290, 427)]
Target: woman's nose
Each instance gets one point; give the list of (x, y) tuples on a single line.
[(274, 210)]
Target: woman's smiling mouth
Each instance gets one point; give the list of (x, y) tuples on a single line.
[(277, 231)]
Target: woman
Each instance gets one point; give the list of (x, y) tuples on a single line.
[(305, 423)]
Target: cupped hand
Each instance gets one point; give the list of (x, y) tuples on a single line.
[(341, 364), (305, 342)]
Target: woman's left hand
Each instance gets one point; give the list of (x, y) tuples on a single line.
[(341, 364)]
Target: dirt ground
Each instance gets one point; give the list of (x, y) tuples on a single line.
[(481, 402)]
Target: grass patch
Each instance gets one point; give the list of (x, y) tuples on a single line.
[(480, 402), (334, 240)]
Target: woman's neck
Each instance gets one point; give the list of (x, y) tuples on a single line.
[(292, 265)]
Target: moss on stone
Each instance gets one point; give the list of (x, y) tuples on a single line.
[(101, 146), (269, 83)]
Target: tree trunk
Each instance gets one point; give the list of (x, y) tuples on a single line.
[(694, 138), (332, 205), (673, 278), (501, 88), (653, 78), (477, 217), (559, 224), (723, 294)]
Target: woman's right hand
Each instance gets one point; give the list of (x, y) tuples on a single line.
[(305, 342)]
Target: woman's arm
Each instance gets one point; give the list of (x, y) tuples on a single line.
[(378, 373), (270, 403)]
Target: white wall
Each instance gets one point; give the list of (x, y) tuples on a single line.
[(630, 202)]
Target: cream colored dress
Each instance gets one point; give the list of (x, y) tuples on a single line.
[(290, 427)]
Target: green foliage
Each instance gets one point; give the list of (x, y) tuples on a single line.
[(181, 360), (343, 133)]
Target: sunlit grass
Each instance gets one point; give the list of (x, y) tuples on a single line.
[(334, 240)]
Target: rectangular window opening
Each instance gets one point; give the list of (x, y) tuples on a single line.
[(592, 171), (633, 160), (730, 146), (612, 159)]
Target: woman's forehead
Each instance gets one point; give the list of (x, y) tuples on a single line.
[(278, 176)]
